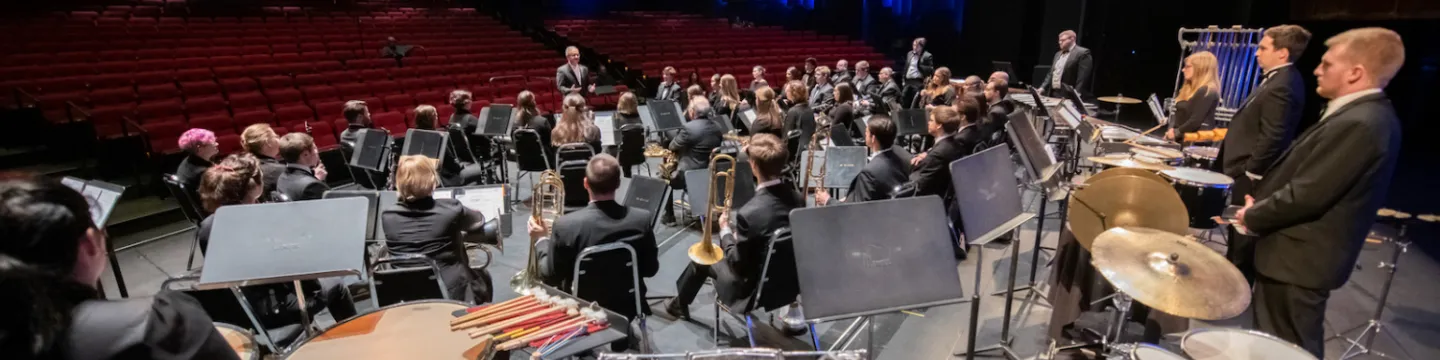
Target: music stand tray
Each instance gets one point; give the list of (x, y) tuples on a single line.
[(299, 240), (372, 147), (495, 119), (988, 194), (429, 143), (697, 182)]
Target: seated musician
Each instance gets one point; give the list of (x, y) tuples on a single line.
[(745, 240), (527, 116), (236, 181), (938, 91), (604, 221), (822, 94), (420, 224), (887, 96), (669, 88), (768, 118), (809, 75), (758, 79), (841, 73), (999, 109), (887, 168), (731, 104), (464, 118), (627, 110), (692, 145), (999, 75), (1196, 102), (51, 259), (800, 112), (304, 177), (844, 112), (694, 92), (357, 115), (575, 125), (454, 171), (973, 86), (260, 141), (866, 87), (955, 138), (200, 149)]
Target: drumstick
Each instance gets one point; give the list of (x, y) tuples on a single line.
[(500, 328), (1147, 132), (497, 316), (501, 325), (492, 309), (525, 340)]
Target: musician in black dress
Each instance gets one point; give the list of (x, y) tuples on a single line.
[(200, 149), (938, 91), (669, 88), (888, 166), (455, 169), (757, 76), (1198, 98), (844, 113), (527, 116), (746, 240), (606, 280), (51, 258), (768, 117), (575, 126), (799, 116), (731, 104), (418, 223)]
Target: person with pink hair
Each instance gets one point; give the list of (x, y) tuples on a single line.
[(200, 148)]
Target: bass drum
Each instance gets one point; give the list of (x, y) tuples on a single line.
[(240, 340), (1239, 344), (412, 330)]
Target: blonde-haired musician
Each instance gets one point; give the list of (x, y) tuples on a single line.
[(1195, 105)]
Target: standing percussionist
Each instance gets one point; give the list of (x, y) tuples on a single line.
[(692, 145), (604, 221), (887, 168), (1195, 105), (1263, 127), (1317, 202), (573, 78), (747, 239), (1071, 66), (669, 86), (919, 66)]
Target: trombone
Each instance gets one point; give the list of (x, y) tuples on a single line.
[(706, 252), (549, 191), (815, 179)]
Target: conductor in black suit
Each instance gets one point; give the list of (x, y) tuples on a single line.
[(604, 221), (669, 88), (304, 177), (693, 145), (746, 240), (1072, 66), (1317, 202), (919, 65), (1263, 127), (888, 166), (573, 78)]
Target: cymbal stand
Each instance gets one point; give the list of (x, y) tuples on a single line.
[(1110, 340), (1375, 324)]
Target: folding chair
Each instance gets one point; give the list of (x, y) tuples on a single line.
[(773, 279), (632, 262)]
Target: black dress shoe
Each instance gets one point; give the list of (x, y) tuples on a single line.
[(668, 219), (669, 311)]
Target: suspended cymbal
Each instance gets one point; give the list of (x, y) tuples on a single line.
[(1125, 200), (1131, 162), (1429, 218), (1171, 273), (1118, 100), (1149, 174)]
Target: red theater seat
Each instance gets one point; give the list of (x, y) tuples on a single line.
[(399, 102), (237, 85), (245, 119), (205, 106), (164, 136), (294, 113), (283, 97)]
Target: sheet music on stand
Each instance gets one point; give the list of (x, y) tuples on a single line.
[(300, 240), (748, 117), (102, 196), (606, 122), (489, 200), (1068, 114), (73, 183)]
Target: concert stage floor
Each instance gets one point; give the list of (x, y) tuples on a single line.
[(1413, 313)]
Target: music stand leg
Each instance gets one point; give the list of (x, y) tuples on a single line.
[(304, 309), (1033, 287), (1003, 346), (115, 267)]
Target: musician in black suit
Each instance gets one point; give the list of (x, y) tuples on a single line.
[(889, 93), (419, 224), (1072, 66), (745, 240), (200, 148), (919, 66), (1195, 104), (669, 88), (304, 177), (1316, 204), (573, 78), (888, 166), (822, 94), (1000, 108), (865, 85), (955, 138), (604, 221), (841, 72), (1263, 127), (799, 116), (809, 77), (693, 145), (357, 116)]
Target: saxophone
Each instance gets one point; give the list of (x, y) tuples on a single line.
[(668, 163), (815, 178)]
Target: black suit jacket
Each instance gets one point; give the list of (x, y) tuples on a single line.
[(1264, 126), (1196, 113), (889, 95), (994, 121), (672, 92), (600, 223), (190, 171), (926, 65), (822, 97), (932, 174), (745, 249), (565, 79), (844, 115), (693, 145), (840, 76), (437, 229), (299, 183), (1078, 70), (879, 178), (270, 170), (868, 86), (1316, 205), (798, 117)]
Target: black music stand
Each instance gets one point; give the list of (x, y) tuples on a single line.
[(604, 89), (1005, 67), (748, 118), (372, 147), (1040, 168), (723, 121), (300, 241), (646, 193), (843, 164), (989, 199), (430, 143), (664, 114), (697, 182), (494, 119), (372, 207), (840, 135), (911, 121), (898, 250), (103, 197)]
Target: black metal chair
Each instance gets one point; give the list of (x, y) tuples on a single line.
[(531, 155), (230, 306), (401, 284), (609, 254), (571, 160), (632, 147), (778, 287), (190, 206)]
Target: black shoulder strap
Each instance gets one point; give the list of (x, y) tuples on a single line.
[(102, 329)]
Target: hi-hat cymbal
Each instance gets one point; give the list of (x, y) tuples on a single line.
[(1131, 162), (1125, 200), (1170, 273), (1118, 171), (1118, 100)]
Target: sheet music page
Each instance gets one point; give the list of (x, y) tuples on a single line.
[(488, 201), (606, 123)]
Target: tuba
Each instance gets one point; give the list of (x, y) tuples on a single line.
[(549, 191), (815, 178), (706, 252)]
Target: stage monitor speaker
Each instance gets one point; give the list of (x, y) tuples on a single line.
[(430, 143), (371, 146)]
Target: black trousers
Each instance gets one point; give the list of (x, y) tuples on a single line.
[(911, 90), (690, 282), (1293, 313), (1241, 249)]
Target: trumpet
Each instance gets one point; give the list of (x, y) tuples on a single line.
[(706, 252), (549, 191), (815, 179)]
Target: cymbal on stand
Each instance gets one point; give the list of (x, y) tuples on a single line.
[(1118, 100), (1171, 273), (1131, 162), (1428, 218), (1125, 200), (1149, 174)]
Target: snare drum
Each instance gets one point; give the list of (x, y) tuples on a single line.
[(1201, 157), (240, 340), (1239, 344), (1205, 193), (412, 330), (1152, 352)]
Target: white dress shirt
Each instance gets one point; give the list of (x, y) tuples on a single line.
[(1059, 68), (1339, 102)]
